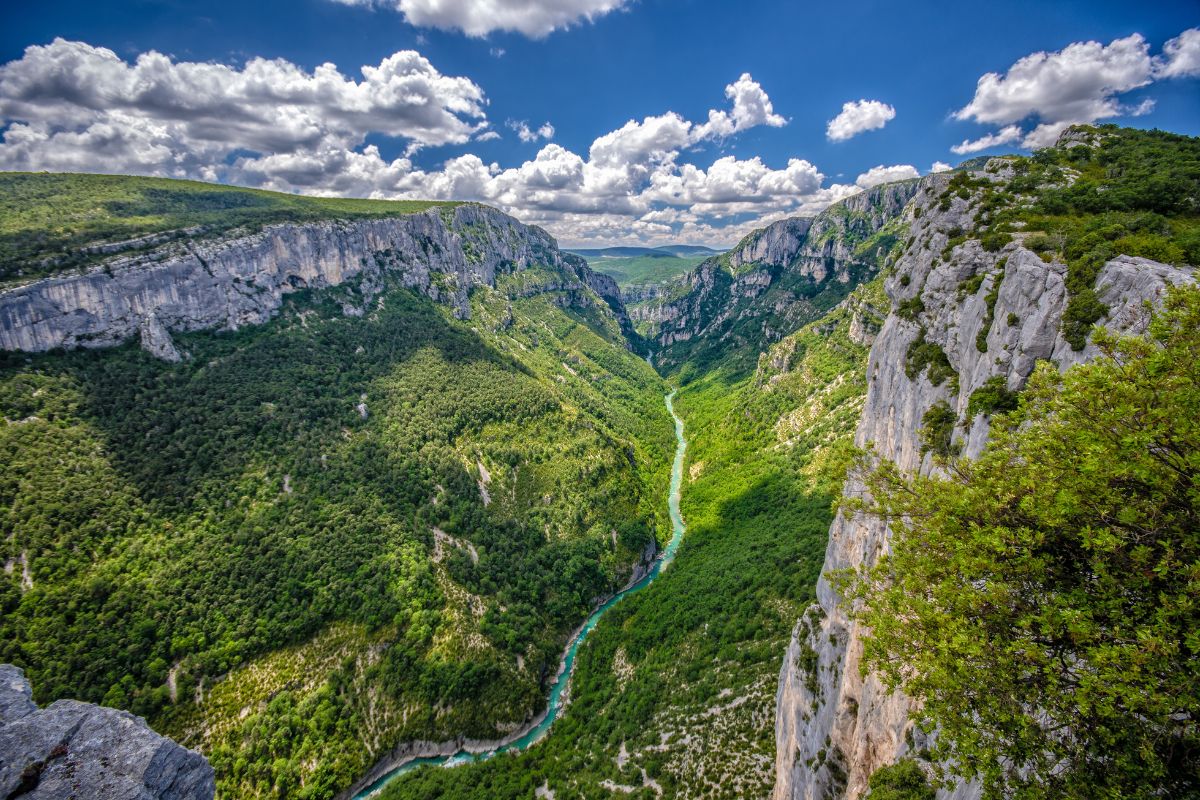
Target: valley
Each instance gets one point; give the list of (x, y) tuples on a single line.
[(404, 501)]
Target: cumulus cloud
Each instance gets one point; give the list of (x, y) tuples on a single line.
[(1007, 135), (1081, 83), (857, 117), (73, 107), (527, 134), (478, 18), (1181, 56), (751, 107), (940, 166), (881, 174), (1078, 83)]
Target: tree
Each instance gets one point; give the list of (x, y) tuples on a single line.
[(1042, 604)]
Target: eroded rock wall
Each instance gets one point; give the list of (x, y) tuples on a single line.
[(241, 280), (833, 727)]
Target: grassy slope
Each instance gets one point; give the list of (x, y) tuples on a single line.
[(44, 215), (644, 270), (183, 520), (681, 677)]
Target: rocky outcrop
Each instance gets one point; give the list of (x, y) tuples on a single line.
[(994, 314), (72, 749), (775, 245), (776, 279), (237, 280)]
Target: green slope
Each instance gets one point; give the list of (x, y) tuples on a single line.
[(635, 271), (328, 582), (45, 218), (676, 685)]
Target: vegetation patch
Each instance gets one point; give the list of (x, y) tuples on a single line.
[(924, 354), (993, 397)]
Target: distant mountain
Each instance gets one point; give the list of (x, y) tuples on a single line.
[(678, 250), (621, 252), (689, 250)]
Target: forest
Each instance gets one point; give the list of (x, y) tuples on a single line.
[(178, 524)]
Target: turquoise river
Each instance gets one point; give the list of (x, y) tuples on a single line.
[(556, 703)]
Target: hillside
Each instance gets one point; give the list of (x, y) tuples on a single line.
[(638, 275), (53, 222), (314, 494), (298, 534), (1005, 268)]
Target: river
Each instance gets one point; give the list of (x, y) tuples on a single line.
[(556, 704)]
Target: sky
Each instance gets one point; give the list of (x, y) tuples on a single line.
[(604, 121)]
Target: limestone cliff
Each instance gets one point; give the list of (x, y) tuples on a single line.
[(238, 280), (73, 749), (994, 314), (775, 280)]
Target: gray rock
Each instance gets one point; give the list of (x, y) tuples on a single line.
[(853, 720), (78, 750), (228, 282), (762, 285)]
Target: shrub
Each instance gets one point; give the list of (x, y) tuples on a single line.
[(924, 354), (993, 397), (937, 430)]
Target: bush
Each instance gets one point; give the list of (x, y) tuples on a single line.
[(923, 354), (904, 780), (937, 430), (993, 397)]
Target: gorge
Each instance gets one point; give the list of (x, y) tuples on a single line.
[(429, 450)]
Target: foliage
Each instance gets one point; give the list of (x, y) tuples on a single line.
[(47, 219), (992, 397), (937, 429), (1040, 603), (924, 354), (904, 780), (182, 521)]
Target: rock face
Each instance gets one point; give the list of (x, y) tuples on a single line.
[(77, 750), (241, 280), (833, 727), (775, 245), (776, 279)]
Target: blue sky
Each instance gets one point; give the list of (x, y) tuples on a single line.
[(236, 92)]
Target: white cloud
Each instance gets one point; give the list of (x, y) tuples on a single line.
[(497, 52), (1007, 135), (1181, 56), (527, 134), (71, 103), (881, 174), (534, 18), (857, 117), (1081, 83), (940, 166), (72, 107), (751, 107)]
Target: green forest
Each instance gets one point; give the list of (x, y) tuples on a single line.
[(176, 522), (680, 677)]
